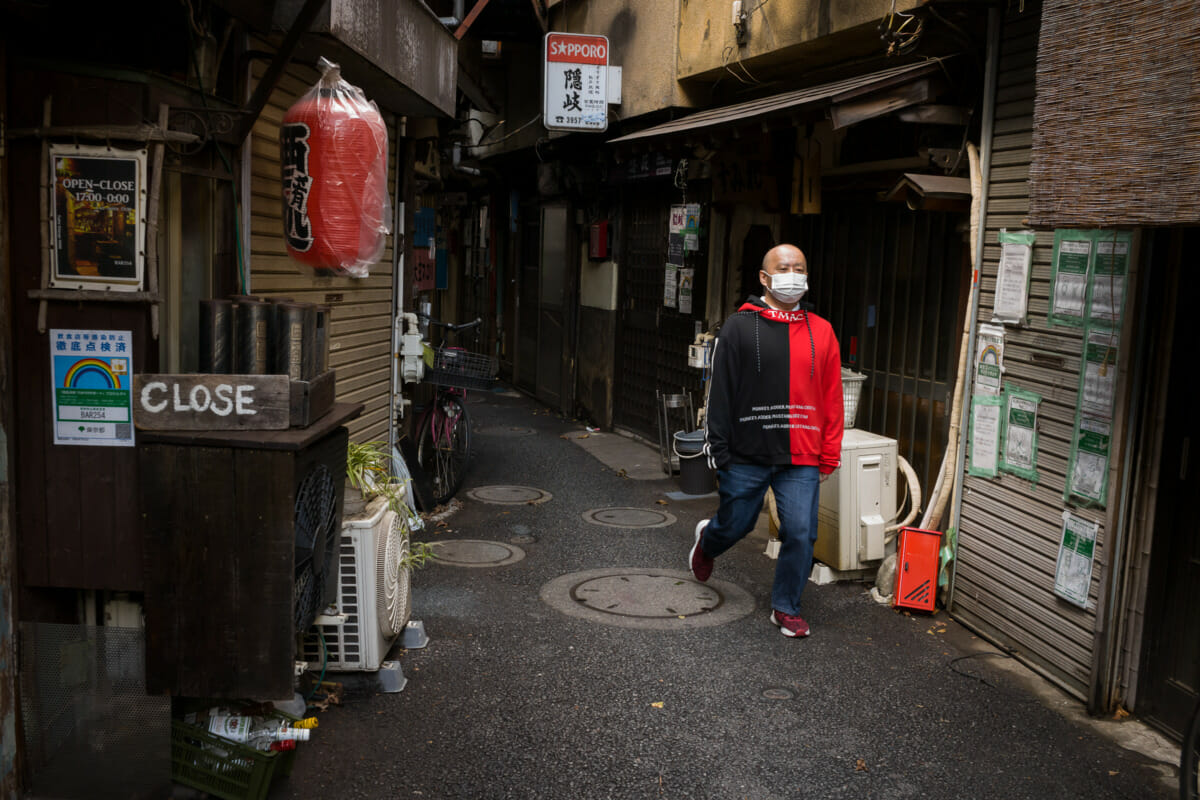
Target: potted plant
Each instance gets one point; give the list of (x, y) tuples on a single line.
[(368, 476)]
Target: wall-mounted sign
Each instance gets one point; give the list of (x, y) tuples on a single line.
[(1013, 276), (575, 82), (91, 397), (211, 402), (97, 210), (1076, 551)]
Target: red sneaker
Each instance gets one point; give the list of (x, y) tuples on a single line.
[(700, 564), (789, 625)]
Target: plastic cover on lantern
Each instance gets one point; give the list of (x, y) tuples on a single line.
[(333, 147)]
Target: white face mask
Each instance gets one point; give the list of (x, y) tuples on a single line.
[(789, 287)]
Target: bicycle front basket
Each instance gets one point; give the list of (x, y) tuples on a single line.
[(459, 368)]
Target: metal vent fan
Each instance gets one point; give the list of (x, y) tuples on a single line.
[(393, 582), (316, 543)]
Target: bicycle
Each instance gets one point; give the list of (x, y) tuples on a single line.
[(444, 429), (1189, 759)]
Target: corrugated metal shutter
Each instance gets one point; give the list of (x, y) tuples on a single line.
[(360, 334), (1010, 529)]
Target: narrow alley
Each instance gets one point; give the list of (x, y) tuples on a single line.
[(513, 698)]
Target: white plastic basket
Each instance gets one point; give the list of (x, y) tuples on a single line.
[(852, 383)]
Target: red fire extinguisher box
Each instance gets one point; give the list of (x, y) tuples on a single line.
[(917, 568)]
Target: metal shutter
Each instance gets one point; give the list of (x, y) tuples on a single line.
[(1009, 530), (360, 333)]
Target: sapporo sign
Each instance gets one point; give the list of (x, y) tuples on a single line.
[(575, 82), (211, 402)]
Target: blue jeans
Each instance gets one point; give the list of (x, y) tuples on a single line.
[(743, 487)]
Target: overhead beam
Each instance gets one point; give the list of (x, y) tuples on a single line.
[(262, 92), (539, 11), (466, 23), (854, 111), (936, 114)]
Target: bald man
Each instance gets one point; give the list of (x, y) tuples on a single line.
[(774, 419)]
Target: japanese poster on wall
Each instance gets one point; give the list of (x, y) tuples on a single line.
[(686, 280), (985, 436), (91, 373), (989, 360), (1076, 551), (97, 210), (1111, 266), (1098, 386), (1087, 466), (691, 227), (1018, 453), (1012, 279), (675, 248), (671, 286), (1069, 277)]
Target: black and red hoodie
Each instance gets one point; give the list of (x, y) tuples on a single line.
[(776, 393)]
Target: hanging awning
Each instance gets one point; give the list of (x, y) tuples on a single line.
[(849, 101), (931, 192)]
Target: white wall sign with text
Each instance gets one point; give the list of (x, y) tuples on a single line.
[(575, 83)]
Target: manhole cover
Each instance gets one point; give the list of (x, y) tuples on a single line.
[(778, 694), (652, 596), (654, 599), (509, 495), (476, 553), (629, 517), (506, 431)]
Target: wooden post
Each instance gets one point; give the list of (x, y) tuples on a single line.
[(10, 750), (44, 200), (164, 113)]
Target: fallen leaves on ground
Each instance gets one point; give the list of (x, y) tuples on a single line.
[(1120, 713), (661, 502), (860, 766), (585, 436), (657, 705)]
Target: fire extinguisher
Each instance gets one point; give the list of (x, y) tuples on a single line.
[(333, 149)]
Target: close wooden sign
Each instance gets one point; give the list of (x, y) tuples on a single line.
[(211, 402)]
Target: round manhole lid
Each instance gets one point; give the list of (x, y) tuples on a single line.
[(653, 599), (629, 517), (475, 553), (647, 595), (506, 431), (509, 495)]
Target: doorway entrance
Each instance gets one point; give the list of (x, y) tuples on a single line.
[(1171, 643)]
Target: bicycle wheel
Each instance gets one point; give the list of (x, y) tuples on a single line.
[(444, 447), (1189, 760)]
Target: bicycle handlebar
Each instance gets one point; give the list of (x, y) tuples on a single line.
[(450, 326)]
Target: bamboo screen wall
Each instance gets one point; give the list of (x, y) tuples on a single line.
[(1116, 137)]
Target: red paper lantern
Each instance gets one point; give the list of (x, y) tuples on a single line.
[(333, 147)]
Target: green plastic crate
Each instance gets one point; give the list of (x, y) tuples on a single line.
[(224, 768)]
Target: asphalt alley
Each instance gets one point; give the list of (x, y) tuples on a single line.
[(592, 666)]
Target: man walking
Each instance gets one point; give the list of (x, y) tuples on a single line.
[(774, 419)]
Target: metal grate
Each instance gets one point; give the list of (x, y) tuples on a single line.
[(91, 731), (316, 532)]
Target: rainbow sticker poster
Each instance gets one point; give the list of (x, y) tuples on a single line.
[(92, 373)]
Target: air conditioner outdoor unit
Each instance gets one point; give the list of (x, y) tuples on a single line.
[(857, 501), (374, 594)]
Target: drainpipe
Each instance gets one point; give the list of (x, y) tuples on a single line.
[(455, 20), (985, 142), (460, 168), (395, 399), (1100, 695)]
